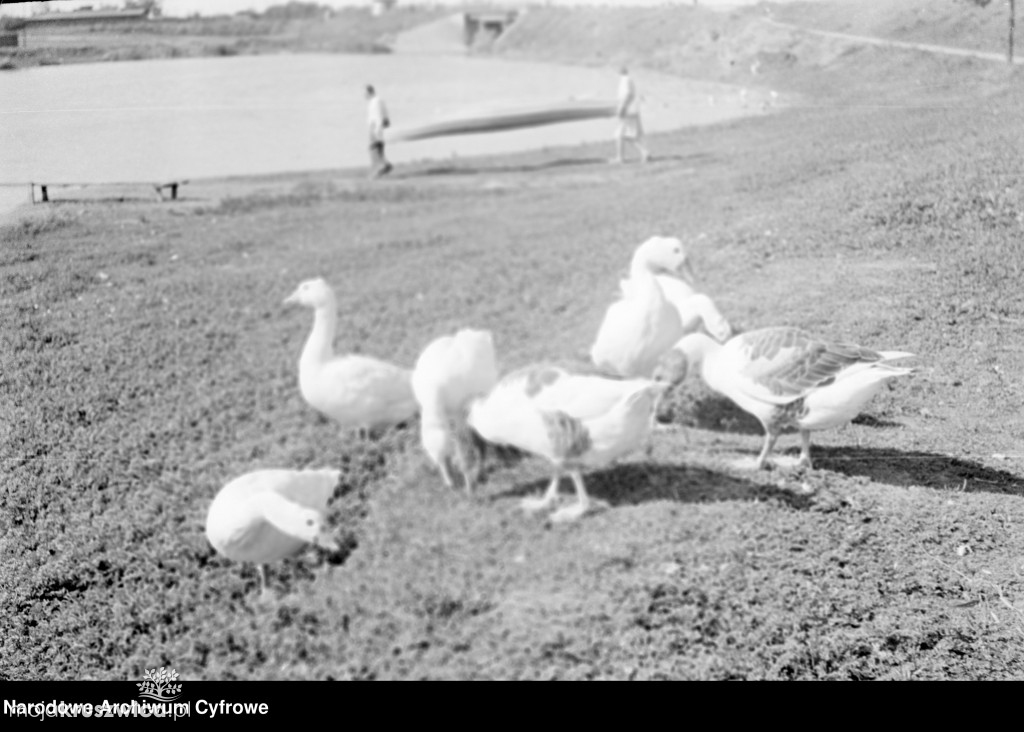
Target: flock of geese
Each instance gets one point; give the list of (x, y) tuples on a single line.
[(659, 330)]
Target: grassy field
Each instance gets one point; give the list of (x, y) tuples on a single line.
[(148, 359)]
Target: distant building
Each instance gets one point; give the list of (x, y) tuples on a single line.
[(379, 7), (24, 27), (82, 17), (486, 24)]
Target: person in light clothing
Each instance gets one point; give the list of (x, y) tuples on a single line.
[(630, 127), (377, 120)]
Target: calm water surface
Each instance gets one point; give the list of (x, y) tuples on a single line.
[(190, 118)]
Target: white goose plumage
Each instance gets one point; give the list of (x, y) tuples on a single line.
[(786, 378), (450, 372), (573, 421), (642, 325), (696, 310), (267, 515), (358, 392)]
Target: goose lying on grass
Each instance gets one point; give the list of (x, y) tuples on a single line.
[(358, 392), (642, 325), (573, 421), (450, 372), (786, 378), (267, 515)]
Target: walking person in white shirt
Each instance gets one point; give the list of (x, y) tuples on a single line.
[(630, 127), (377, 120)]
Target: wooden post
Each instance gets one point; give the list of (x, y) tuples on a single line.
[(1009, 48)]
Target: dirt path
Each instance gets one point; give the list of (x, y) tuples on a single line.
[(927, 47)]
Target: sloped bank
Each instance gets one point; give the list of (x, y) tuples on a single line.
[(685, 41)]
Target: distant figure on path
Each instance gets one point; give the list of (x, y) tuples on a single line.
[(377, 119), (630, 127)]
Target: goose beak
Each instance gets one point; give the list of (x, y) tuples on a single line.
[(291, 299)]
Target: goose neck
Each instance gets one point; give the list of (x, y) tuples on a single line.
[(640, 267), (319, 345)]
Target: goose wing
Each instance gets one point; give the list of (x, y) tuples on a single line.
[(366, 390), (780, 365), (580, 396), (509, 415), (311, 488), (295, 520), (561, 416)]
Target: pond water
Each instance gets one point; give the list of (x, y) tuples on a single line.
[(167, 119)]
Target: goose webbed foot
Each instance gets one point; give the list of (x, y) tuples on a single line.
[(569, 513), (446, 472), (531, 504), (576, 510)]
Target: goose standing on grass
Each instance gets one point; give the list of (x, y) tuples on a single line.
[(642, 324), (573, 421), (358, 392), (450, 372), (786, 378), (267, 515)]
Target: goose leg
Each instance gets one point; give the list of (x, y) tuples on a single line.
[(582, 505), (769, 443), (446, 471), (469, 462), (649, 447), (805, 449), (475, 472), (262, 571), (538, 504)]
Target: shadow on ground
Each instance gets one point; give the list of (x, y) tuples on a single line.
[(906, 468), (469, 169), (713, 412), (719, 414), (633, 484)]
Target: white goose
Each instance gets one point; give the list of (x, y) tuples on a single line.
[(642, 325), (268, 515), (696, 310), (358, 392), (574, 421), (786, 378), (451, 371)]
